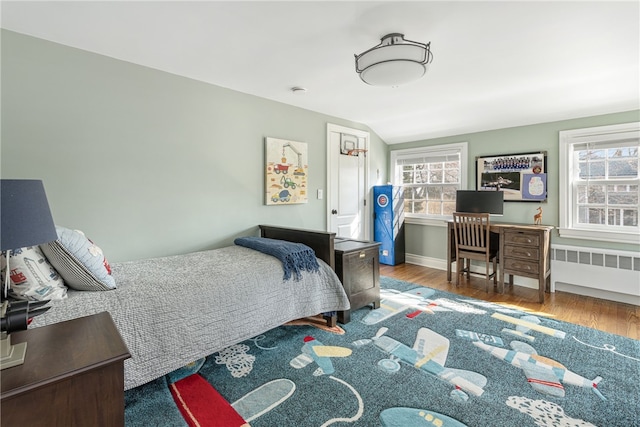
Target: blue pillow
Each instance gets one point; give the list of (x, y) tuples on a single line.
[(79, 261)]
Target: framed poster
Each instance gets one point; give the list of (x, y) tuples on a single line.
[(522, 177), (286, 172)]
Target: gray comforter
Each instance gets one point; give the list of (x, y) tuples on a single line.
[(173, 310)]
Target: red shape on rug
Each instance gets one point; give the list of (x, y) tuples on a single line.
[(202, 406)]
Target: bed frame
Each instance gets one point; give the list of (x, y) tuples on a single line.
[(322, 242)]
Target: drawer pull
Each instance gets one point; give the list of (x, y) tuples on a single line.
[(363, 254)]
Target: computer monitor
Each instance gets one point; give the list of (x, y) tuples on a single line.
[(471, 201)]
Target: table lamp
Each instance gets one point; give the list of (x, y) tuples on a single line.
[(25, 220)]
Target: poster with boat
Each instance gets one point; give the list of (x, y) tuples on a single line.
[(286, 172)]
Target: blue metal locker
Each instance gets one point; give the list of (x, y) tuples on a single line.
[(388, 212)]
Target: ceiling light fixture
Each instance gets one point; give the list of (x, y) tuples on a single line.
[(394, 62)]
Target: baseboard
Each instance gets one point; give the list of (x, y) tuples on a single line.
[(441, 264), (598, 293)]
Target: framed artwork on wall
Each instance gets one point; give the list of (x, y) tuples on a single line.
[(522, 176), (286, 172)]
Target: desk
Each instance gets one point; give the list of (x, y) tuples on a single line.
[(525, 250)]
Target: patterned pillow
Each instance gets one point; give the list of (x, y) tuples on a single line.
[(81, 264), (31, 276)]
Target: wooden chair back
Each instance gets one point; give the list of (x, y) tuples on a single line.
[(472, 231)]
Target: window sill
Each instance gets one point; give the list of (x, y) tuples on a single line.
[(440, 221), (603, 236)]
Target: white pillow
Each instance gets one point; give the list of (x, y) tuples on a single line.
[(31, 276), (79, 261)]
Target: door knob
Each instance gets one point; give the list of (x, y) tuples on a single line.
[(334, 212)]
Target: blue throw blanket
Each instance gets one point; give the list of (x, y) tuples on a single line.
[(295, 257)]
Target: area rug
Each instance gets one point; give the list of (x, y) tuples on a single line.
[(425, 357)]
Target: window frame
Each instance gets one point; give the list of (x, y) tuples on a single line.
[(568, 193), (432, 150)]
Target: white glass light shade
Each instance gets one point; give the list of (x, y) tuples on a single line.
[(393, 62)]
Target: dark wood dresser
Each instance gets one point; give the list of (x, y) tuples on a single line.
[(358, 267), (73, 375)]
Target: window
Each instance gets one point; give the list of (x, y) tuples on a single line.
[(430, 177), (599, 183)]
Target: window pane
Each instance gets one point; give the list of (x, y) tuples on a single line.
[(407, 193), (434, 207), (449, 193), (452, 176), (422, 174), (614, 216), (592, 169), (419, 207), (407, 175), (591, 155), (587, 215), (626, 168), (630, 217), (623, 153), (622, 195), (591, 194), (448, 208), (434, 193), (623, 217), (435, 177)]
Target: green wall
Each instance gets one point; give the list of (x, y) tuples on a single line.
[(145, 162), (427, 241), (148, 163)]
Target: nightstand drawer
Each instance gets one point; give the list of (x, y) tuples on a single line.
[(518, 267), (524, 252), (360, 270), (522, 238)]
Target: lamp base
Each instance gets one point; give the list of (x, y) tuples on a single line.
[(11, 355)]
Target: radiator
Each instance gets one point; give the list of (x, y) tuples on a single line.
[(601, 273)]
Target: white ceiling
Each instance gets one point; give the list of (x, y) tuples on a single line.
[(496, 64)]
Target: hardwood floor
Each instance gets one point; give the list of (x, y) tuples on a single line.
[(616, 318)]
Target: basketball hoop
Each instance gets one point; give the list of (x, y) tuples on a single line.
[(356, 152)]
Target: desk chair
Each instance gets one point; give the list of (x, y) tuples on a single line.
[(473, 241)]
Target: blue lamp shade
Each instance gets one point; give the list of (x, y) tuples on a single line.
[(24, 214)]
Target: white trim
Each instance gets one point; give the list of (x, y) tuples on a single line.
[(602, 236), (433, 221), (568, 215)]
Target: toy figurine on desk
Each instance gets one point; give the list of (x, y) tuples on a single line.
[(537, 218)]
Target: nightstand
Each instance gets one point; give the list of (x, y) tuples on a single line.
[(73, 375), (358, 267)]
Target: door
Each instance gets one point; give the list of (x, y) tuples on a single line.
[(347, 186)]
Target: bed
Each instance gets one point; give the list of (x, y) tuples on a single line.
[(174, 310)]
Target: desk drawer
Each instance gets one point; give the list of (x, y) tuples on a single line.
[(517, 266), (522, 238), (524, 252)]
